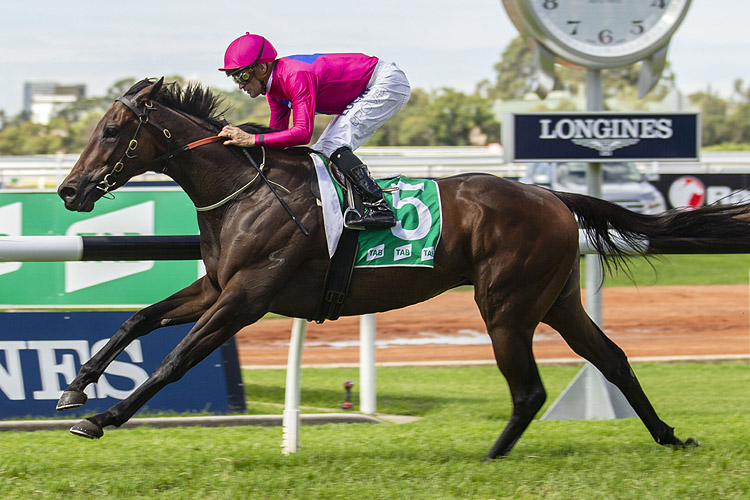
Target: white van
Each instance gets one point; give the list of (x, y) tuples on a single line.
[(622, 183)]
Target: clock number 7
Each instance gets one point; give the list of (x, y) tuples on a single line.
[(574, 25)]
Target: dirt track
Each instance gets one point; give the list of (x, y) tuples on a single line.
[(647, 321)]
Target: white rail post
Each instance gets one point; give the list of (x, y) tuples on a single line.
[(367, 389), (291, 418)]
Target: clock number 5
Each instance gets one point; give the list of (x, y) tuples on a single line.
[(636, 27)]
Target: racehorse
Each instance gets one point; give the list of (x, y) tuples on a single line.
[(516, 244)]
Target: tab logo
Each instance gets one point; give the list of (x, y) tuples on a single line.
[(10, 225), (376, 252), (138, 219), (428, 253), (403, 252)]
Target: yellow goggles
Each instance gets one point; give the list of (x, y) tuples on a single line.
[(242, 76)]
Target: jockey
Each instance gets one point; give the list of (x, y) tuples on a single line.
[(362, 91)]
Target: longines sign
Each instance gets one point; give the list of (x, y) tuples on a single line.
[(601, 137)]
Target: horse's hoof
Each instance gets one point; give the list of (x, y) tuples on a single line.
[(88, 429), (71, 400)]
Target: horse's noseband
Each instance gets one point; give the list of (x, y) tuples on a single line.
[(110, 180)]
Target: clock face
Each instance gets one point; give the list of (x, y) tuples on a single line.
[(600, 33)]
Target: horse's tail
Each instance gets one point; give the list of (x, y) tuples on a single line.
[(649, 234)]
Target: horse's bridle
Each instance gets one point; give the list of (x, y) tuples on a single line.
[(110, 180)]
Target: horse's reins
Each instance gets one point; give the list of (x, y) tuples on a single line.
[(240, 190), (259, 169), (110, 180)]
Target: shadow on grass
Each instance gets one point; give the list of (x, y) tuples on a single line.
[(340, 457), (411, 404)]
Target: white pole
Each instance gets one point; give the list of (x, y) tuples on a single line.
[(40, 248), (590, 396), (593, 278), (291, 418), (367, 391)]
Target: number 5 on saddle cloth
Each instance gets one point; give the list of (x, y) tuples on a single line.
[(411, 242)]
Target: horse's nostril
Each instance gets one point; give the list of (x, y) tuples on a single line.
[(67, 193)]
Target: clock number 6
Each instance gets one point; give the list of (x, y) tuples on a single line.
[(549, 4), (605, 36)]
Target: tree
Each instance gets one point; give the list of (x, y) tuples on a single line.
[(713, 116), (454, 117), (738, 119), (118, 88), (29, 138), (444, 118), (241, 108), (408, 127), (514, 69)]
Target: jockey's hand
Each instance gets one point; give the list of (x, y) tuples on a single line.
[(236, 137)]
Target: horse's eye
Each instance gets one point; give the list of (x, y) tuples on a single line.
[(110, 132)]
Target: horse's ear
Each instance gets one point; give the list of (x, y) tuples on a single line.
[(156, 88), (150, 92)]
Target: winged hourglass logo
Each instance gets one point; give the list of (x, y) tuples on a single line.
[(605, 146)]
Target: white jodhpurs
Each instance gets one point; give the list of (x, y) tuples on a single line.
[(387, 92)]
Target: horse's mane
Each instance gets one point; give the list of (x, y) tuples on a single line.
[(197, 101)]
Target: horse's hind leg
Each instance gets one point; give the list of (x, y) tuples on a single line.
[(514, 356), (568, 317), (511, 308), (182, 307)]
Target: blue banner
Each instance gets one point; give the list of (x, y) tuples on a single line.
[(40, 353)]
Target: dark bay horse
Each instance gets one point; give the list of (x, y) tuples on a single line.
[(516, 244)]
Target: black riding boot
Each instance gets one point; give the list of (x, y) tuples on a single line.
[(377, 213)]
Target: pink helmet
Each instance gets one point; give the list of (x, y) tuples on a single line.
[(248, 50)]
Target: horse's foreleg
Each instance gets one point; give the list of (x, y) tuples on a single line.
[(216, 326), (183, 307), (568, 317)]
